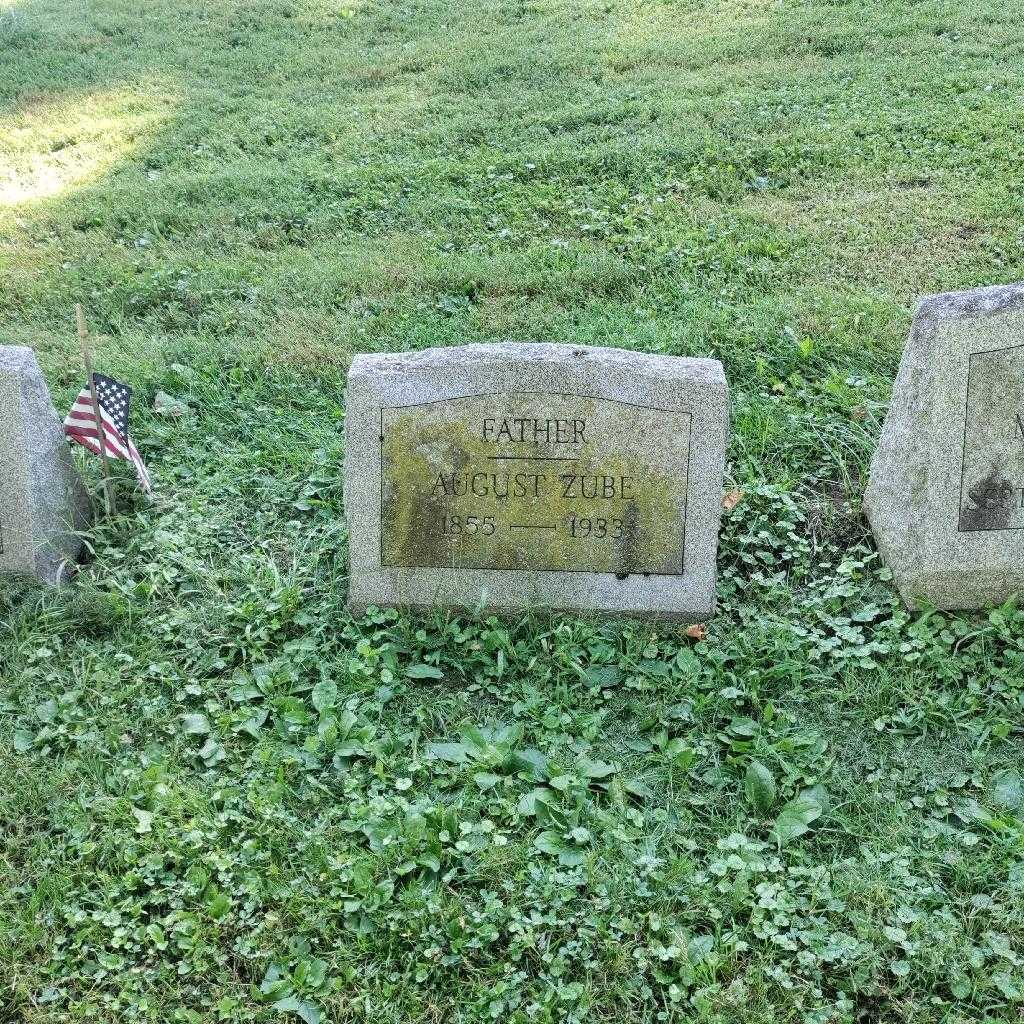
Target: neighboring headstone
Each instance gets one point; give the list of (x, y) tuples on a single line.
[(946, 492), (519, 476), (42, 500)]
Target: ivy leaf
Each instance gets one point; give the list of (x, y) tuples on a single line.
[(1006, 985), (244, 690), (424, 672), (549, 842), (680, 754), (212, 752), (634, 787), (195, 725), (746, 728), (454, 753), (595, 769), (531, 761), (759, 787), (317, 973), (292, 1004), (554, 844), (1006, 789), (325, 695), (797, 816), (535, 802), (486, 780), (699, 948), (605, 676), (959, 984), (143, 820), (253, 724), (218, 905), (47, 711)]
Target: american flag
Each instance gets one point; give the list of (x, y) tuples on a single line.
[(114, 399)]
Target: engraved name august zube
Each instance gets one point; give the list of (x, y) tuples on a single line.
[(531, 481)]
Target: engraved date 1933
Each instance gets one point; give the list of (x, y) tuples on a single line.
[(598, 527)]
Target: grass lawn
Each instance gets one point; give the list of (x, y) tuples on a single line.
[(221, 797)]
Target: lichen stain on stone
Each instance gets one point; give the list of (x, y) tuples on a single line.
[(419, 446), (989, 503), (411, 515)]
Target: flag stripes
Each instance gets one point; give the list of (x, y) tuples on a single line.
[(80, 427), (82, 420)]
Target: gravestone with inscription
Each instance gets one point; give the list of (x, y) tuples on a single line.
[(516, 476), (42, 500), (946, 493)]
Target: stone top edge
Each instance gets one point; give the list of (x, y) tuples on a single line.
[(17, 357), (972, 302), (517, 353)]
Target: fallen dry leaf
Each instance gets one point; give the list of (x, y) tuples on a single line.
[(698, 631), (858, 413), (732, 499)]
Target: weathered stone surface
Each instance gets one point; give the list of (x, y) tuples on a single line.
[(946, 492), (42, 500), (535, 476)]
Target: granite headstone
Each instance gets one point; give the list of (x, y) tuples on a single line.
[(42, 500), (515, 476), (946, 492)]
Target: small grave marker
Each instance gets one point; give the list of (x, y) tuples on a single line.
[(42, 500), (946, 492), (535, 476)]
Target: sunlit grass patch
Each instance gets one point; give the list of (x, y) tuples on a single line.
[(53, 142)]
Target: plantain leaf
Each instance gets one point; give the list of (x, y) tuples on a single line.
[(759, 787), (796, 817)]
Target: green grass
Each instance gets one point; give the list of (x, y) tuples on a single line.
[(223, 799)]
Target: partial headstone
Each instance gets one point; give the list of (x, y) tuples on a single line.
[(516, 476), (42, 500), (946, 492)]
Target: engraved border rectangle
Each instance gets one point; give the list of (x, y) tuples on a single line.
[(556, 394), (963, 451)]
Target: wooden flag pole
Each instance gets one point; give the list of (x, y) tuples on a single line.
[(83, 337)]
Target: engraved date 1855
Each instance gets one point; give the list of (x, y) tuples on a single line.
[(597, 527)]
